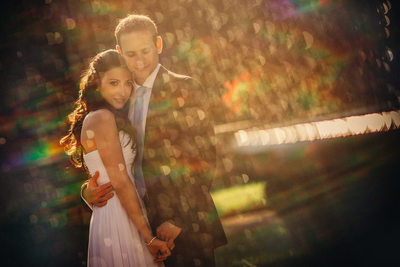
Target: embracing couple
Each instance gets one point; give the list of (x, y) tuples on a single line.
[(144, 135)]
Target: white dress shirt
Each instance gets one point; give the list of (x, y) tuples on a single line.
[(148, 83)]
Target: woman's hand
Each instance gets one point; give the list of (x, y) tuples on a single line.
[(159, 249)]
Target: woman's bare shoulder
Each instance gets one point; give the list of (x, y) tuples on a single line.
[(99, 122), (98, 118)]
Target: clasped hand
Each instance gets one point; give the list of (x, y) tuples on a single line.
[(159, 250), (161, 247), (168, 232)]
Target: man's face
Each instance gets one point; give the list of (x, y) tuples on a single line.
[(140, 53)]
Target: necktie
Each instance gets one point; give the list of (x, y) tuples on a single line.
[(139, 127)]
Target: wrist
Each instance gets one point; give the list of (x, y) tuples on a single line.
[(150, 241), (174, 223), (148, 237)]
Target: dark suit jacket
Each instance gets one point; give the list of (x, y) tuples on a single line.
[(179, 160)]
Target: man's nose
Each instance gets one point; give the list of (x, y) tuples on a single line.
[(139, 62)]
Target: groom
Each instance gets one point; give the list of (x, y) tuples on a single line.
[(176, 156)]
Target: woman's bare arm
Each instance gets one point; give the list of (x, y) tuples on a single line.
[(102, 125)]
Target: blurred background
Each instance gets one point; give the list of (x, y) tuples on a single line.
[(305, 95)]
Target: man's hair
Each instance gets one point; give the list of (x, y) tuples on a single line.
[(133, 23)]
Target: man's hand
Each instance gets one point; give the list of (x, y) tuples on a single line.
[(97, 195), (168, 232), (159, 249)]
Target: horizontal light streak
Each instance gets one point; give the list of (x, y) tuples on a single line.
[(335, 128)]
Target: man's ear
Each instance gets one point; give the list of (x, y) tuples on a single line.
[(119, 49), (159, 44)]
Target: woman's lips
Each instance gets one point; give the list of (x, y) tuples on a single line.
[(120, 100)]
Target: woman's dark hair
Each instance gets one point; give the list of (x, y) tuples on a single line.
[(90, 99)]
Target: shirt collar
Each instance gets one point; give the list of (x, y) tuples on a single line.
[(149, 82)]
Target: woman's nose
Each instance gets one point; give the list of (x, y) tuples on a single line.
[(122, 90), (126, 90)]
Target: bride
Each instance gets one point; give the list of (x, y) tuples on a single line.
[(101, 138)]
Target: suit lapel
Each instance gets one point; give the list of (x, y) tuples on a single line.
[(157, 105), (159, 81)]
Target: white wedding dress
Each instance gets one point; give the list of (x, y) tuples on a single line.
[(113, 238)]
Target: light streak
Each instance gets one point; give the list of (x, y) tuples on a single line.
[(318, 130)]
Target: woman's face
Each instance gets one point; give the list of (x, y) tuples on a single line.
[(116, 86)]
